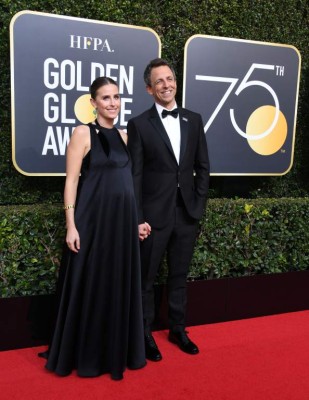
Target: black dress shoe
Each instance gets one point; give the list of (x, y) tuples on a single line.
[(151, 348), (183, 342)]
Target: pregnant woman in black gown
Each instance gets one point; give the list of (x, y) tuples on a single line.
[(99, 327)]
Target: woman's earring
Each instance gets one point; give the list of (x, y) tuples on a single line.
[(94, 111)]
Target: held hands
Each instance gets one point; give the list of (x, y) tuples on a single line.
[(144, 231), (73, 240)]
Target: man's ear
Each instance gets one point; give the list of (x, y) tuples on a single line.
[(149, 90)]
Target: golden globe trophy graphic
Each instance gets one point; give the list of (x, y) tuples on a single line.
[(266, 130), (83, 109), (247, 95)]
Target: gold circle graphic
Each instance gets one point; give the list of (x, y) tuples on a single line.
[(83, 109), (259, 121)]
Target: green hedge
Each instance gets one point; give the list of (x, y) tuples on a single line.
[(236, 238), (30, 249), (248, 237)]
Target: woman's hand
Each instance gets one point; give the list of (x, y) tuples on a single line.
[(72, 239)]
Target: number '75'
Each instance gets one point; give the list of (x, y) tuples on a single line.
[(245, 83)]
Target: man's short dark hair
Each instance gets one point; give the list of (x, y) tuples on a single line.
[(157, 62)]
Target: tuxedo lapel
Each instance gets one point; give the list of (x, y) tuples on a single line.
[(159, 127), (184, 130)]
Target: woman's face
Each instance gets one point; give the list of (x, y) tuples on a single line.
[(107, 101)]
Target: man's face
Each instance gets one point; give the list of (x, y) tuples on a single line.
[(163, 86)]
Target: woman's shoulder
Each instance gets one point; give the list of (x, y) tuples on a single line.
[(81, 132), (80, 136)]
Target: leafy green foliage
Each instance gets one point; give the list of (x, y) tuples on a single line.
[(30, 241), (236, 238), (248, 237)]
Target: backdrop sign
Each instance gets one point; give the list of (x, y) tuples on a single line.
[(54, 59), (247, 94)]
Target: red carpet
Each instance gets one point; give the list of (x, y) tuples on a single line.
[(263, 358)]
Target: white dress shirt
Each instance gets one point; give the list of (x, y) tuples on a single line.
[(172, 127)]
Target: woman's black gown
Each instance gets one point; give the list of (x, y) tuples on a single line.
[(99, 325)]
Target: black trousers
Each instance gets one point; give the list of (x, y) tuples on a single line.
[(178, 238)]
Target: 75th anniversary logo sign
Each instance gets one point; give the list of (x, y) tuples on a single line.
[(54, 60), (247, 95)]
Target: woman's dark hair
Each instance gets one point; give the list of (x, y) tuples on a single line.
[(99, 82), (157, 62)]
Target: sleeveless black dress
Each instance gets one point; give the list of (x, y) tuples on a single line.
[(99, 326)]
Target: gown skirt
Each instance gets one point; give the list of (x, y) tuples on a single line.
[(99, 324)]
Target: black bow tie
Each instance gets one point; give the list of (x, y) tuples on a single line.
[(173, 113)]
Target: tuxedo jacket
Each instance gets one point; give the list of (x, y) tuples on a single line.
[(156, 173)]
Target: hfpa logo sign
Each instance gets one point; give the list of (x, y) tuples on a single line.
[(90, 43)]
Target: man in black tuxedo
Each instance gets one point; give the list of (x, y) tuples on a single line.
[(171, 178)]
